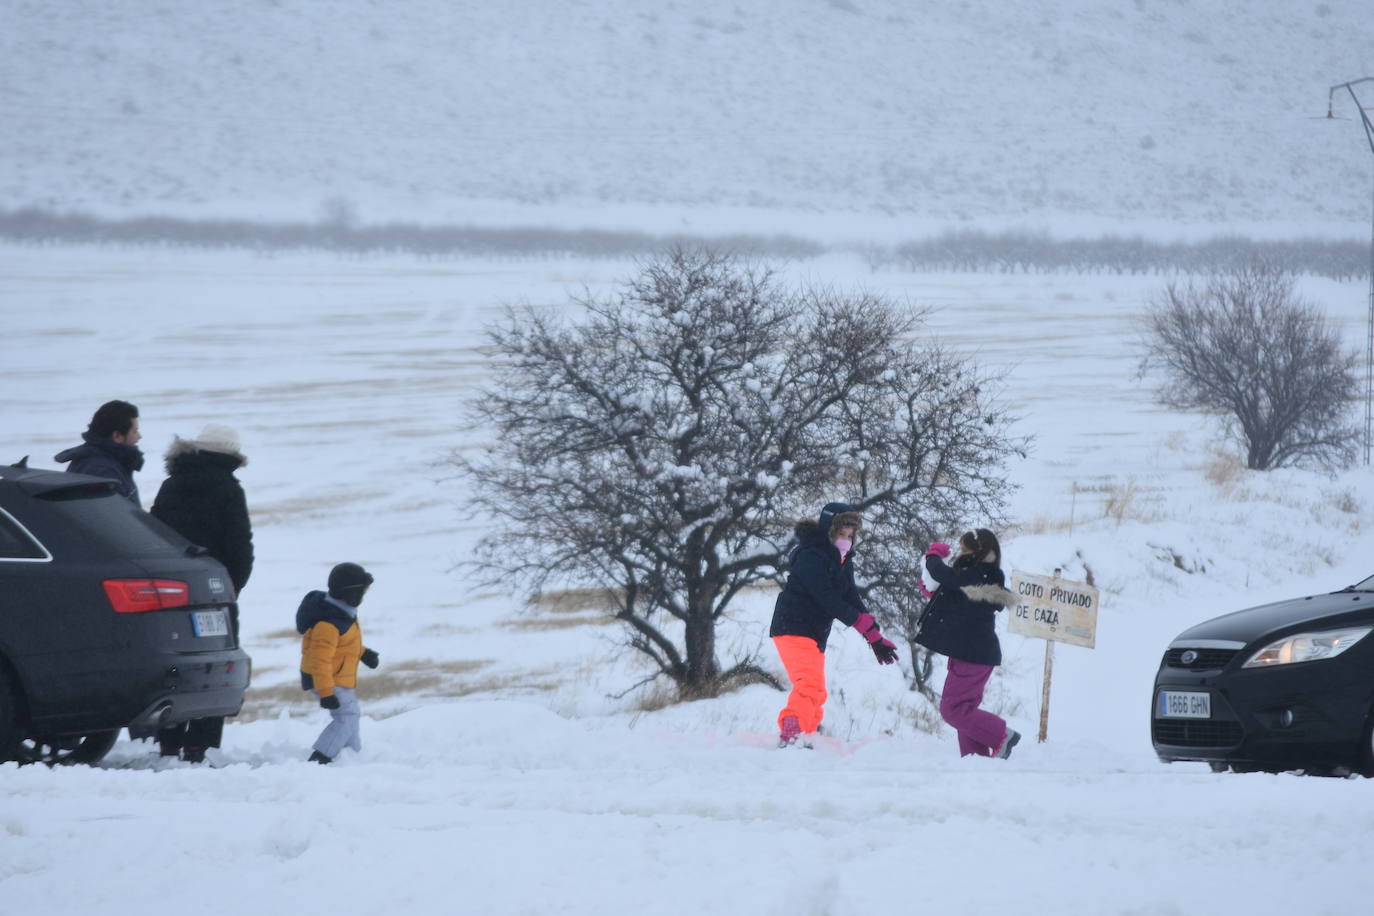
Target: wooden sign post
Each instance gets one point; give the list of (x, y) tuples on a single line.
[(1055, 610)]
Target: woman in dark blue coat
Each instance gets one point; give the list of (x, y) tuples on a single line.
[(959, 623), (203, 501)]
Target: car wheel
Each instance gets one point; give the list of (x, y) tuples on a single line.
[(1252, 768), (92, 748), (11, 728), (81, 749), (1365, 764)]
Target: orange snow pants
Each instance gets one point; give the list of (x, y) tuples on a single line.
[(805, 664)]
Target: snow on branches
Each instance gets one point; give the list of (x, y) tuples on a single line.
[(663, 445)]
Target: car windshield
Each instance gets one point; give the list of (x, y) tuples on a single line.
[(1366, 585), (118, 525)]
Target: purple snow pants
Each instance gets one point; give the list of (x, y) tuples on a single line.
[(980, 732)]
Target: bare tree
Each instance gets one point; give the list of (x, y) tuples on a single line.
[(1243, 344), (663, 445)]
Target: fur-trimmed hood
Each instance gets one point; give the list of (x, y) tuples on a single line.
[(990, 594), (808, 534), (183, 447)]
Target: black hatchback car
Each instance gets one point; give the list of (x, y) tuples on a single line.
[(1283, 686), (108, 619)]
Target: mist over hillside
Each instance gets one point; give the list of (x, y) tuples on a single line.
[(832, 120)]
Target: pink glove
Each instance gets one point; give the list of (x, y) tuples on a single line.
[(924, 591), (868, 627), (938, 548), (883, 649)]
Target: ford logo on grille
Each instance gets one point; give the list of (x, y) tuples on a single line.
[(1188, 657)]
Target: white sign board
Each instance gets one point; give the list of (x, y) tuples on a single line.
[(1048, 607)]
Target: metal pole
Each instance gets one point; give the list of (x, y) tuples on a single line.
[(1369, 343)]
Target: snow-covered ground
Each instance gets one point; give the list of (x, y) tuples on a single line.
[(505, 768), (501, 775)]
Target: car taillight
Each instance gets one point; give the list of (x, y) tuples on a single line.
[(134, 596)]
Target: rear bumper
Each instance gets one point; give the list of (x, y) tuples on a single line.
[(159, 690), (196, 688)]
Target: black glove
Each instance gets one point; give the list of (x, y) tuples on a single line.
[(329, 702), (370, 658), (884, 651)]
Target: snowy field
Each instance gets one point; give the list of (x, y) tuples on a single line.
[(831, 119), (500, 773), (507, 766)]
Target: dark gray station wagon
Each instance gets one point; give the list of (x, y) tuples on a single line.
[(108, 619)]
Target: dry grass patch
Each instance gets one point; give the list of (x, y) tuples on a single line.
[(323, 505), (426, 677), (1119, 500), (268, 702), (1039, 524), (1122, 501), (540, 624), (1225, 470), (442, 629), (567, 600), (289, 633), (659, 696), (1346, 501), (499, 685)]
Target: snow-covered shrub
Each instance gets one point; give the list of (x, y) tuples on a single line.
[(663, 447), (1244, 345)]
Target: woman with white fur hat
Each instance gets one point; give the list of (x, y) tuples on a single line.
[(203, 501)]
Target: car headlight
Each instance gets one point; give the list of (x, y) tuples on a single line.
[(1307, 647)]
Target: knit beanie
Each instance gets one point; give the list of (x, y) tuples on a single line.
[(348, 581)]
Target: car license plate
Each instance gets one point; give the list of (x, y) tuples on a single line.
[(210, 623), (1180, 704)]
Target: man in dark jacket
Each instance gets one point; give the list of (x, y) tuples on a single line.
[(203, 502), (820, 590), (109, 448)]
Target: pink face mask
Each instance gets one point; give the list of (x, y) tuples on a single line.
[(843, 545)]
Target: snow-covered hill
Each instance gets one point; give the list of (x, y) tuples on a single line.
[(838, 119)]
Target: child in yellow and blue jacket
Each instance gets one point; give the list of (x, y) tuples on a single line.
[(331, 647)]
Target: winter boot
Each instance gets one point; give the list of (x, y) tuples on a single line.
[(1008, 743), (193, 754), (317, 757), (168, 749), (791, 728)]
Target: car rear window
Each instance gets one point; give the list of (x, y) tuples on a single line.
[(116, 524), (15, 543)]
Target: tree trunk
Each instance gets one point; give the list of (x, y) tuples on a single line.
[(703, 673)]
